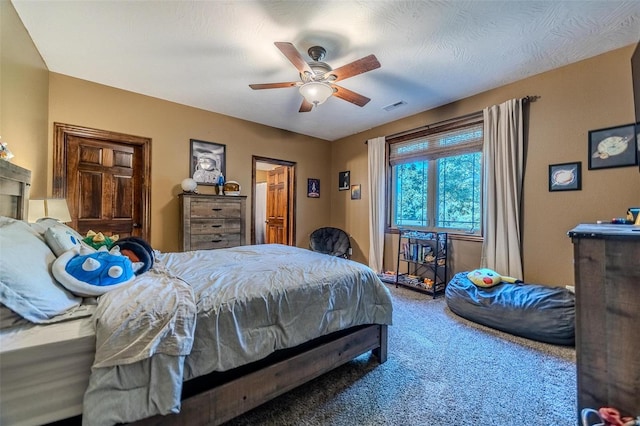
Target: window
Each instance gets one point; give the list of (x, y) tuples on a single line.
[(436, 177)]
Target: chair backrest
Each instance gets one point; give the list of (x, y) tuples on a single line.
[(329, 240)]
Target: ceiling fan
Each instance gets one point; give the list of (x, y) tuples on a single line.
[(317, 78)]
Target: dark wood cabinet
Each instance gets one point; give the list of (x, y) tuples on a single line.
[(212, 221), (607, 284)]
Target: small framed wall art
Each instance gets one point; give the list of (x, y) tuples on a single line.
[(343, 181), (613, 147), (313, 188), (565, 177), (207, 162), (355, 192)]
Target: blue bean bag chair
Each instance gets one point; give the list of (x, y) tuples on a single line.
[(538, 312)]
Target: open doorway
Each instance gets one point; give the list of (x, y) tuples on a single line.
[(273, 207)]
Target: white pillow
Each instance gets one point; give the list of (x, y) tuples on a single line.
[(43, 224), (61, 238), (26, 284)]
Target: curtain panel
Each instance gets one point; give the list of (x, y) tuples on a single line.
[(376, 171), (503, 178)]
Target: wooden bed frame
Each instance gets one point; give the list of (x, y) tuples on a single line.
[(247, 387), (244, 388)]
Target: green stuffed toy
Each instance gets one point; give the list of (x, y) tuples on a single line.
[(98, 240), (487, 278)]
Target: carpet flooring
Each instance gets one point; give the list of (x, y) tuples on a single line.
[(441, 370)]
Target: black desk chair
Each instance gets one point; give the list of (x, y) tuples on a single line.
[(332, 241)]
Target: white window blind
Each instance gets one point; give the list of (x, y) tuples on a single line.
[(430, 144)]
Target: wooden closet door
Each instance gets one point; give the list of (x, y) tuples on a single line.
[(104, 186)]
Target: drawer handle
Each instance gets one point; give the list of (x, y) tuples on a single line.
[(216, 209), (215, 241), (216, 226)]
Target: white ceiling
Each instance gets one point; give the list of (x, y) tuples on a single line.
[(206, 53)]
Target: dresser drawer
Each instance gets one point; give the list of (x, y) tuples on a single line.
[(216, 226), (211, 209), (214, 241)]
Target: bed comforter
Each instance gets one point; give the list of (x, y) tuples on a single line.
[(214, 310)]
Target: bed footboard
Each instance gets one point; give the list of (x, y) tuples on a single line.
[(247, 391)]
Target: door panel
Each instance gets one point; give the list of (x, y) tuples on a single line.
[(105, 177), (104, 185), (283, 187), (277, 206), (123, 199)]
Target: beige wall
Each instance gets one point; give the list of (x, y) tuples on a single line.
[(24, 91), (591, 94), (170, 126)]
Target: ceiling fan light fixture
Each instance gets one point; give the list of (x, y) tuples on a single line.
[(316, 92)]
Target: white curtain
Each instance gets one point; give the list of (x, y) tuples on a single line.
[(377, 169), (261, 211), (503, 170)]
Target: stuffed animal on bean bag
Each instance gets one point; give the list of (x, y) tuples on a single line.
[(488, 278), (87, 273)]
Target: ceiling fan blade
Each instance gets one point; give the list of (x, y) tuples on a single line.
[(306, 106), (350, 96), (360, 66), (294, 56), (273, 85)]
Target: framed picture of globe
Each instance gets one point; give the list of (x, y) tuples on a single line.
[(613, 147), (207, 162), (565, 177)]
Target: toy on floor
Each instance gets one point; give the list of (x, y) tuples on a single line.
[(607, 416)]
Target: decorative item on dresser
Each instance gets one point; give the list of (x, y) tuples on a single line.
[(607, 281), (212, 221)]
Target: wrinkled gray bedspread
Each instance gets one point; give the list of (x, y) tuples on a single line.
[(250, 302)]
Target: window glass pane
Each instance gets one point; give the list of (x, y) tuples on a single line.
[(411, 182), (436, 177), (458, 196)]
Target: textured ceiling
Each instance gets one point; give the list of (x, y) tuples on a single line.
[(206, 53)]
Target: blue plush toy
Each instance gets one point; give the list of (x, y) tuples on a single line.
[(92, 273)]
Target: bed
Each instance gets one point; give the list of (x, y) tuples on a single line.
[(199, 339)]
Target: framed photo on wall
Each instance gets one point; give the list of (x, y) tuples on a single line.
[(565, 177), (313, 188), (356, 192), (208, 162), (343, 181), (613, 147)]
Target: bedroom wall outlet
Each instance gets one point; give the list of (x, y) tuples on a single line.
[(350, 251)]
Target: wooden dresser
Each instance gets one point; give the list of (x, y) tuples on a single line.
[(212, 221), (607, 278)]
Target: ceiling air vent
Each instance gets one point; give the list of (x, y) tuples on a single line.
[(394, 105)]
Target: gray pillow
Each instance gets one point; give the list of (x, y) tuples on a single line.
[(26, 284)]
